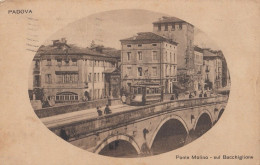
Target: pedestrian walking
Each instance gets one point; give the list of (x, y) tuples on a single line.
[(99, 111)]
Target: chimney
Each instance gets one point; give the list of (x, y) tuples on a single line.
[(55, 42), (63, 40)]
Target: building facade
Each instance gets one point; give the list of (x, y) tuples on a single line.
[(148, 57), (65, 72), (182, 33), (213, 69), (198, 69)]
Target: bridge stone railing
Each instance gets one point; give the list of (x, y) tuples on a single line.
[(78, 129)]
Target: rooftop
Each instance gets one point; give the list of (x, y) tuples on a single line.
[(148, 36), (198, 49), (71, 49), (207, 53), (165, 19)]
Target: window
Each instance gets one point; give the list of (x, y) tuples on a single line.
[(170, 56), (154, 55), (103, 75), (180, 26), (48, 78), (140, 71), (49, 62), (129, 46), (173, 27), (90, 63), (103, 93), (166, 57), (74, 62), (66, 96), (59, 62), (37, 64), (98, 77), (166, 27), (95, 77), (140, 56), (154, 44), (154, 69), (174, 57), (67, 62), (128, 56), (159, 27), (166, 70), (139, 45), (63, 77), (95, 94), (36, 81), (128, 70), (89, 77), (98, 93)]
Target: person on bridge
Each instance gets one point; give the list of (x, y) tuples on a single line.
[(172, 97), (201, 93), (99, 111), (123, 98), (205, 94), (107, 110), (176, 95)]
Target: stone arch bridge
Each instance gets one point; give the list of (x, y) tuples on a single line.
[(143, 130)]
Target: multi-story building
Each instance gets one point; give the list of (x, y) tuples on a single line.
[(198, 69), (149, 57), (181, 32), (213, 69), (64, 72)]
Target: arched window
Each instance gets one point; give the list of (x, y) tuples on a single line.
[(66, 96)]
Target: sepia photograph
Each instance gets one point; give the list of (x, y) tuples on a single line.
[(120, 82), (129, 83)]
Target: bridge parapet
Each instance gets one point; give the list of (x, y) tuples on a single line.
[(94, 126)]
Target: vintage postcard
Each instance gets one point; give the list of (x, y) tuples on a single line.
[(129, 82)]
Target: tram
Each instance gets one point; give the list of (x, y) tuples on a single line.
[(145, 94)]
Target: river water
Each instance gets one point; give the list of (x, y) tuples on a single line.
[(164, 142)]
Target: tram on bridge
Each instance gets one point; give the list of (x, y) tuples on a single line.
[(144, 94)]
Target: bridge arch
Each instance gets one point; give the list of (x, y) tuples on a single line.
[(220, 113), (200, 114), (203, 123), (172, 117), (114, 138)]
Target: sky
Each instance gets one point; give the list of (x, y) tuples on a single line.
[(107, 28)]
